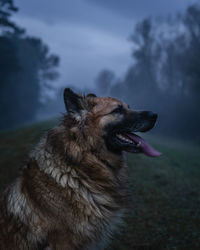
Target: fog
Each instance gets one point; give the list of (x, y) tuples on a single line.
[(144, 53)]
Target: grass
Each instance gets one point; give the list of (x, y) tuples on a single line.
[(165, 191), (15, 146)]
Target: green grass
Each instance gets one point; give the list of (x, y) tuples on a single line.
[(15, 146), (165, 192)]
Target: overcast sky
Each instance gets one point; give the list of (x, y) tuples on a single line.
[(89, 35)]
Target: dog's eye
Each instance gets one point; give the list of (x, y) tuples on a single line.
[(118, 110)]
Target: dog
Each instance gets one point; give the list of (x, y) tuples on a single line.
[(72, 193)]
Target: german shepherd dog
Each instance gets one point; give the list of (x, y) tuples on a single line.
[(72, 193)]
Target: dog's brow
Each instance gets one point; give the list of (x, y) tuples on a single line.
[(119, 106)]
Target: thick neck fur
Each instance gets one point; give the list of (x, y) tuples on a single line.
[(78, 142), (72, 184), (77, 157)]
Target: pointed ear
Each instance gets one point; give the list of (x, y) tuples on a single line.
[(74, 103)]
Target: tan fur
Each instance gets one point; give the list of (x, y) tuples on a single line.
[(72, 192)]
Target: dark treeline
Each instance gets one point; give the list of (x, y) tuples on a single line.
[(26, 70), (165, 75)]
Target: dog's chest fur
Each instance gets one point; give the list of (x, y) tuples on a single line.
[(64, 199)]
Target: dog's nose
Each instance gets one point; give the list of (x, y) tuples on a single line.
[(146, 115), (151, 115)]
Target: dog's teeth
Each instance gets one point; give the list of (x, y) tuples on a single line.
[(123, 138), (139, 144)]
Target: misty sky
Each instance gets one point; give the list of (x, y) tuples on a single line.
[(89, 35)]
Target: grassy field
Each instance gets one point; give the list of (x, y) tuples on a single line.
[(165, 191)]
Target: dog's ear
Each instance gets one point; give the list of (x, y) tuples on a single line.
[(74, 103)]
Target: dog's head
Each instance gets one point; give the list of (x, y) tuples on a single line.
[(111, 120)]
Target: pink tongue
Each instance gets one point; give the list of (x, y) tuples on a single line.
[(146, 148)]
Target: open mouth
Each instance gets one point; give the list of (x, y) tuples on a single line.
[(121, 135), (135, 144)]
